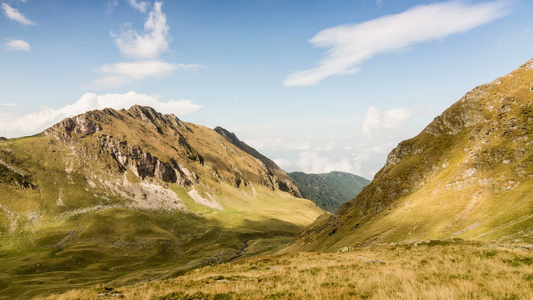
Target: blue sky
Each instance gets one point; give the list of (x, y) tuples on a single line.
[(317, 85)]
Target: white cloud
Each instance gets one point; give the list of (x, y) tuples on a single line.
[(140, 6), (110, 6), (143, 48), (150, 44), (283, 163), (8, 104), (376, 120), (18, 45), (13, 125), (314, 162), (265, 143), (349, 45), (297, 146), (15, 15), (125, 72)]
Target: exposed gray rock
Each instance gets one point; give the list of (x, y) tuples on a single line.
[(142, 163), (79, 125)]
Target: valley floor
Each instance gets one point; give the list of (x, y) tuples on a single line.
[(454, 269)]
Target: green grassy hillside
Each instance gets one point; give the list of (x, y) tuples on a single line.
[(329, 191), (468, 174), (119, 197), (427, 270)]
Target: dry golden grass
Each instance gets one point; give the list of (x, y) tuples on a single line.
[(437, 270)]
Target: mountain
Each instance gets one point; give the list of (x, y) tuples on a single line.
[(468, 174), (282, 181), (329, 190), (448, 215), (123, 196)]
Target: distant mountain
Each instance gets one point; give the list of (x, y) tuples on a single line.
[(468, 174), (329, 190), (123, 196)]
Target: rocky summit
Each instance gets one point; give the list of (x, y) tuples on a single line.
[(123, 196), (468, 174)]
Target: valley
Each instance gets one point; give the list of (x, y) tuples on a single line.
[(329, 191), (140, 205), (266, 149)]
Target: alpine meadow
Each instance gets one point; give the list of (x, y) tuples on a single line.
[(262, 192)]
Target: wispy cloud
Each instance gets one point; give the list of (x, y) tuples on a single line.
[(110, 6), (149, 44), (8, 104), (349, 45), (121, 73), (126, 72), (18, 45), (13, 125), (376, 120), (139, 5), (14, 14)]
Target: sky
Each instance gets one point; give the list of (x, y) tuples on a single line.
[(315, 85)]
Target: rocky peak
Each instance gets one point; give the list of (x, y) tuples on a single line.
[(528, 65), (145, 113), (80, 125), (162, 123)]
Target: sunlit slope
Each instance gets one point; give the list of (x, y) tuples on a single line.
[(131, 195), (468, 174), (427, 270)]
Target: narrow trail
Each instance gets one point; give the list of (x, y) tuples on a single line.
[(513, 222)]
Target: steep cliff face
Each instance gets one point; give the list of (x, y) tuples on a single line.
[(465, 175)]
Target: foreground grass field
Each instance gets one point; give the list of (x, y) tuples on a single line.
[(426, 270)]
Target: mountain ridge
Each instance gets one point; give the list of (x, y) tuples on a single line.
[(284, 183), (451, 180)]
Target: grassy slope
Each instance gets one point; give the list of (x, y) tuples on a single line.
[(433, 270), (59, 231), (329, 191), (468, 175)]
